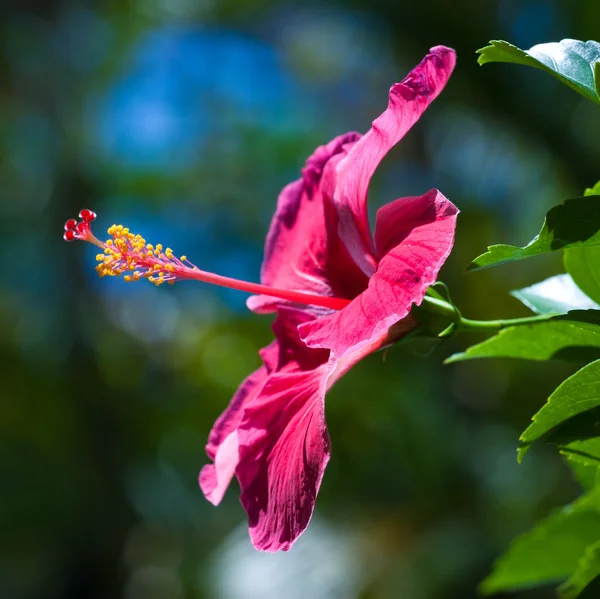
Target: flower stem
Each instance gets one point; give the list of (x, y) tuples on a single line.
[(482, 326), (464, 325)]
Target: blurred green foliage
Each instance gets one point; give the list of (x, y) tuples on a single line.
[(183, 119)]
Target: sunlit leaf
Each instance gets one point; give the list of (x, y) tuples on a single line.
[(583, 265), (592, 191), (572, 62), (556, 295), (575, 223), (578, 394), (550, 552), (574, 336), (587, 569)]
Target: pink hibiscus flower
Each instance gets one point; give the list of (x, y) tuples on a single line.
[(339, 294)]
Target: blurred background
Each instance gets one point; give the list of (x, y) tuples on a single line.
[(183, 119)]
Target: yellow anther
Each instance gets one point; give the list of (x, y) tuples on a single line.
[(125, 252), (183, 258)]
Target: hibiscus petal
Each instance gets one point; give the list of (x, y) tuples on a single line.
[(284, 449), (294, 355), (222, 440), (407, 102), (416, 234), (215, 478), (300, 252)]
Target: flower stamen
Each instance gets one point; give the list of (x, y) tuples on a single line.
[(129, 255)]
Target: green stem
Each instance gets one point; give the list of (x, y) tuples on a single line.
[(464, 325), (477, 326)]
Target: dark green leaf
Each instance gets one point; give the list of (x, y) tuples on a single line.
[(592, 591), (587, 569), (556, 295), (572, 62), (551, 551), (575, 223), (574, 336), (578, 394), (576, 435)]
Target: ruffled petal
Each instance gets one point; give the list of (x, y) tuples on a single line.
[(416, 234), (283, 442), (407, 102), (215, 478), (222, 445), (302, 251), (284, 449)]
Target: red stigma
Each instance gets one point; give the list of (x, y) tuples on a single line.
[(80, 230), (87, 215)]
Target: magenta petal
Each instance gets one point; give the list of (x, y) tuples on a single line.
[(222, 441), (300, 253), (421, 219), (416, 234), (284, 449), (215, 478), (407, 102)]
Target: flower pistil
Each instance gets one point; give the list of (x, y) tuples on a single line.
[(129, 255)]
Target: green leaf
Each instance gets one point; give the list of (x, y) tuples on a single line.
[(551, 551), (576, 436), (575, 223), (578, 394), (574, 336), (592, 591), (583, 264), (587, 569), (585, 473), (586, 452), (593, 191), (556, 295), (572, 62)]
